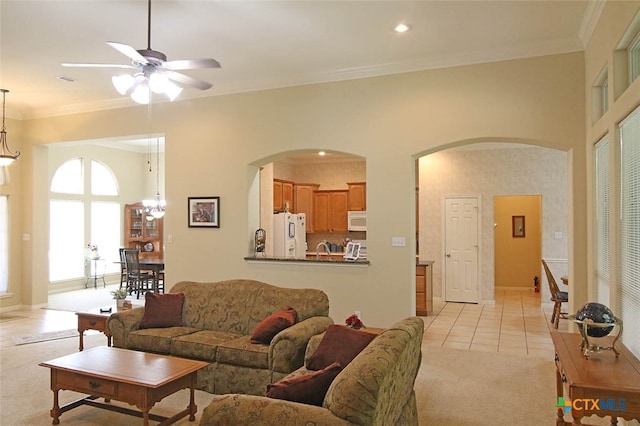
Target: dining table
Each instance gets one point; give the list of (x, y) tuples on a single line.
[(155, 266)]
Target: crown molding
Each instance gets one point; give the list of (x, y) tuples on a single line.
[(590, 20), (290, 80)]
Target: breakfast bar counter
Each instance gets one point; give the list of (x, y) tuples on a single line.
[(324, 260)]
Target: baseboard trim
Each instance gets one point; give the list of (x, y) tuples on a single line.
[(529, 289)]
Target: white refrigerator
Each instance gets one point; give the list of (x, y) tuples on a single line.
[(289, 235)]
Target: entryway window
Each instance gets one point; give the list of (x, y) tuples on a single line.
[(629, 291), (80, 217)]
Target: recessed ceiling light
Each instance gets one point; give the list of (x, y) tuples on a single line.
[(321, 153), (66, 78), (401, 28)]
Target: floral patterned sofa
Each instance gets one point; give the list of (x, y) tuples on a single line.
[(375, 389), (217, 321)]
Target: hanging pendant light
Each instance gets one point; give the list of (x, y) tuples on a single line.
[(154, 209), (157, 211), (6, 156)]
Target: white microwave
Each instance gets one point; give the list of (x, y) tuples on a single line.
[(357, 221)]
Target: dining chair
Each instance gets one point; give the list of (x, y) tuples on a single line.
[(123, 268), (138, 281), (557, 297), (160, 279)]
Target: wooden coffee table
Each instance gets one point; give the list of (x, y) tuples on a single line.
[(137, 378)]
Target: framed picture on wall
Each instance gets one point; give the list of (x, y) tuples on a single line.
[(204, 212), (517, 226)]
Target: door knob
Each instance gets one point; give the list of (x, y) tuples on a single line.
[(448, 254)]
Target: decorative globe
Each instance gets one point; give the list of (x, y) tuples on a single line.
[(596, 312)]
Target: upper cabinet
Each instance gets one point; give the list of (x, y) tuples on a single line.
[(282, 195), (141, 233), (357, 196), (303, 201), (330, 211)]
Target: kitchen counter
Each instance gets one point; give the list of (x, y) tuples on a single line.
[(324, 259)]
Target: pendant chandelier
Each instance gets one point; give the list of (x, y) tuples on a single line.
[(154, 208), (6, 156)]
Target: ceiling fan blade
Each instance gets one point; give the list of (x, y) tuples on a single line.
[(128, 51), (191, 64), (186, 80), (80, 65)]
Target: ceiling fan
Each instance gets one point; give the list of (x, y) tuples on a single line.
[(154, 72)]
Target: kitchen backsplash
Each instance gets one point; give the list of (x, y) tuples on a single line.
[(334, 237)]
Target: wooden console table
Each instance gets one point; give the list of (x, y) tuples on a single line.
[(615, 382)]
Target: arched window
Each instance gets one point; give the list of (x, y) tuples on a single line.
[(79, 218)]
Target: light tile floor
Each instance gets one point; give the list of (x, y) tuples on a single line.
[(516, 324)]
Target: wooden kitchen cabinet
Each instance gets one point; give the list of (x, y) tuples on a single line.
[(282, 195), (303, 201), (330, 211), (142, 234), (424, 289), (357, 196)]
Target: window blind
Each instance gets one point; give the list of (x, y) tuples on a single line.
[(4, 244), (629, 289), (602, 220)]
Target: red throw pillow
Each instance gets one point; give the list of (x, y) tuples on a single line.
[(308, 389), (340, 344), (272, 325), (162, 310)]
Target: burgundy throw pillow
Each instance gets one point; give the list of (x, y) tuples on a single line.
[(162, 310), (272, 325), (308, 389), (340, 344)]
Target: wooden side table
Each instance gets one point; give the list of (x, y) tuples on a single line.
[(602, 385), (93, 320)]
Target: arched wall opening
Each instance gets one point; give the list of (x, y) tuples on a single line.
[(286, 181), (487, 168)]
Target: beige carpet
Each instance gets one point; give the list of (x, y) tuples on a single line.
[(84, 299), (454, 387)]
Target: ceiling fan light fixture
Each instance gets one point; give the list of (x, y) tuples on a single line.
[(123, 83), (158, 82), (172, 90), (141, 94)]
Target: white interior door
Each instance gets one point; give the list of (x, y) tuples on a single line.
[(461, 249)]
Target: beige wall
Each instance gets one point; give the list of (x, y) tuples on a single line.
[(215, 145), (517, 258)]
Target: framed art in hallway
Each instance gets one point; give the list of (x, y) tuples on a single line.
[(204, 212), (517, 226)]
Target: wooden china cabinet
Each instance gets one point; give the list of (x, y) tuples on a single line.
[(141, 233)]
